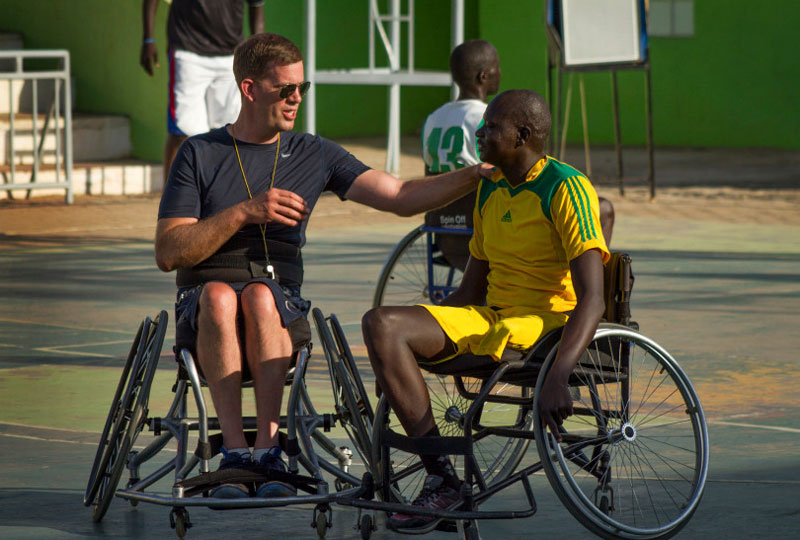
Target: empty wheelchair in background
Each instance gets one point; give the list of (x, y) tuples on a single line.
[(633, 458), (310, 451), (427, 264)]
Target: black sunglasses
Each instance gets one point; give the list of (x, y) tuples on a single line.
[(288, 89)]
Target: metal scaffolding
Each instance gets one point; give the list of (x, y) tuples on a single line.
[(393, 76)]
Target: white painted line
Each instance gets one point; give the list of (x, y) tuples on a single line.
[(32, 438), (754, 426), (67, 326), (64, 441), (60, 348), (50, 428)]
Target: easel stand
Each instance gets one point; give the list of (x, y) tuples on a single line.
[(560, 111)]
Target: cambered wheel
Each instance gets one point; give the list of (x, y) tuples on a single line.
[(351, 399), (111, 428), (496, 455), (634, 457), (407, 278), (129, 414)]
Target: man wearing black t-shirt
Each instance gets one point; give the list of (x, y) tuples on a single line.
[(201, 36), (232, 222)]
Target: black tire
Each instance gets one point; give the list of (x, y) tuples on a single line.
[(496, 456), (350, 398), (638, 435), (101, 457), (131, 414), (404, 279)]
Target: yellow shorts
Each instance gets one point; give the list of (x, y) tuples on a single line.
[(482, 330)]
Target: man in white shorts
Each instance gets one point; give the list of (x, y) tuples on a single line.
[(201, 36)]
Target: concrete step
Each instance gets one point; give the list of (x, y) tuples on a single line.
[(118, 177), (95, 137)]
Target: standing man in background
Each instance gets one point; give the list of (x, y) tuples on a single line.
[(201, 36)]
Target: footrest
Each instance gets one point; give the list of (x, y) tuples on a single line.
[(251, 475)]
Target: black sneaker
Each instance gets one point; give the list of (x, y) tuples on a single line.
[(434, 495), (274, 488), (232, 460)]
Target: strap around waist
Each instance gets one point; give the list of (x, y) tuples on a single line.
[(236, 263)]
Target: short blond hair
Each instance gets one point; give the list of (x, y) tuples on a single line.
[(255, 57)]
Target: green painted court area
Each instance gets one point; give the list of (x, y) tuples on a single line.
[(722, 298)]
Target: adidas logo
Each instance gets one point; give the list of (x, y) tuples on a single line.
[(506, 217)]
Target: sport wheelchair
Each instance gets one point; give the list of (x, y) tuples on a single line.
[(303, 438), (633, 458)]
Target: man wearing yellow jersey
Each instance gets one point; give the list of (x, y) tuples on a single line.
[(536, 263)]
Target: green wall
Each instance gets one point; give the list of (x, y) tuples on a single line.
[(732, 84), (729, 85)]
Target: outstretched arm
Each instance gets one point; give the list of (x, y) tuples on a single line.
[(148, 56), (383, 191), (555, 402)]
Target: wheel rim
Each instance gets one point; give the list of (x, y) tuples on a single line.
[(496, 456), (405, 279), (654, 441)]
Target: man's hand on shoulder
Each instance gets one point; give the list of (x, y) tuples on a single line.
[(278, 205), (485, 169)]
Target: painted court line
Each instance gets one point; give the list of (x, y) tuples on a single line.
[(67, 326), (754, 426), (60, 348)]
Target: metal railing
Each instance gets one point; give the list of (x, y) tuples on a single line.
[(63, 158)]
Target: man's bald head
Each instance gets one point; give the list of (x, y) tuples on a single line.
[(525, 109), (471, 59)]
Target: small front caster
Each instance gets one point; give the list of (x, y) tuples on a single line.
[(179, 520)]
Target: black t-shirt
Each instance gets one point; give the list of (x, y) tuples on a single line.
[(205, 177), (206, 27)]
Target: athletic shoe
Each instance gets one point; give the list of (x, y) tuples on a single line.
[(435, 495), (232, 460), (274, 488)]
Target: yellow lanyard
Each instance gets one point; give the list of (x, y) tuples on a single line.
[(262, 226)]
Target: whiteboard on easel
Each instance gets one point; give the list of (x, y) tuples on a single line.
[(602, 32)]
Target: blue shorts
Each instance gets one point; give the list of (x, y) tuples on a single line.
[(292, 307)]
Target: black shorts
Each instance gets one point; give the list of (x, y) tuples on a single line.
[(292, 307)]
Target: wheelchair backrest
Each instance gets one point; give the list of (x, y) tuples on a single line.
[(617, 287)]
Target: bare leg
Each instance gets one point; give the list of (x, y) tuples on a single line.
[(219, 355), (269, 352), (607, 219), (170, 149), (393, 335)]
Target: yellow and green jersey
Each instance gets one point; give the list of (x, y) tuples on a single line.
[(530, 232)]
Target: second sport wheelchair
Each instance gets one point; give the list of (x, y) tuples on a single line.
[(633, 458)]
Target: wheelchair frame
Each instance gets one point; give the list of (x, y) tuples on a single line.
[(129, 415)]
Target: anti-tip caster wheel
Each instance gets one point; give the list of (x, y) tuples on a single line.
[(322, 520), (366, 526), (179, 520)]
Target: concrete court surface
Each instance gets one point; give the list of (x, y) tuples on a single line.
[(717, 285)]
